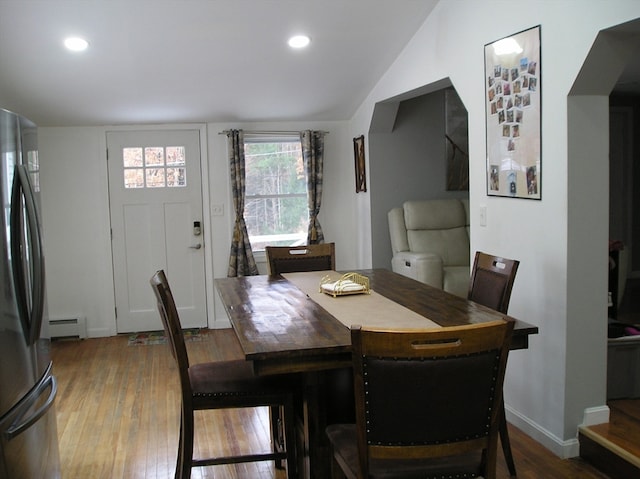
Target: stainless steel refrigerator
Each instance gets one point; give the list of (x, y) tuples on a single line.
[(28, 432)]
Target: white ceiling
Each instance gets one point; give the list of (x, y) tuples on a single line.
[(176, 61)]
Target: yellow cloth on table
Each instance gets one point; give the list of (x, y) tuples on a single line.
[(368, 310)]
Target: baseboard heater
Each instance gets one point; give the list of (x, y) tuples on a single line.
[(68, 328)]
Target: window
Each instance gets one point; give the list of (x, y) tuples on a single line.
[(154, 167), (275, 210)]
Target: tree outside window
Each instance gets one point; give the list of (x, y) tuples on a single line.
[(276, 200)]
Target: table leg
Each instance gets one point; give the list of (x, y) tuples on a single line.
[(327, 399), (313, 418)]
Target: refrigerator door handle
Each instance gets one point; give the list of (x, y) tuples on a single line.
[(20, 423), (31, 319)]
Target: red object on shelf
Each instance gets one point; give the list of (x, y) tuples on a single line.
[(615, 245)]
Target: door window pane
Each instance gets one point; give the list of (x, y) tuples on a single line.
[(176, 177), (175, 155), (155, 177), (134, 178), (154, 156), (132, 157), (154, 167)]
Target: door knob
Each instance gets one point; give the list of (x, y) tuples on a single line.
[(198, 246)]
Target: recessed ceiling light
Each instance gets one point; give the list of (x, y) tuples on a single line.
[(299, 41), (76, 44)]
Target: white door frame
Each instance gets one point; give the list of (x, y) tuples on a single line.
[(206, 209)]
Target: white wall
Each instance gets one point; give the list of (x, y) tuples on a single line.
[(550, 385), (77, 226)]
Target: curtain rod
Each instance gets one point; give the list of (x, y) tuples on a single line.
[(251, 132)]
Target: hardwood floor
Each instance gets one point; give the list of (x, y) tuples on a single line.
[(118, 417)]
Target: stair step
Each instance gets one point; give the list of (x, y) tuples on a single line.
[(610, 458)]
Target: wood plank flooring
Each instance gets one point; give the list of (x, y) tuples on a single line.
[(118, 417)]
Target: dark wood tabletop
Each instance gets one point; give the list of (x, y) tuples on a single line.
[(282, 330)]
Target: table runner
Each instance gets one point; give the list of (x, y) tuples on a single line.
[(368, 310)]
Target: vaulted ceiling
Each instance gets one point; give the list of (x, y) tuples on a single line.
[(169, 61)]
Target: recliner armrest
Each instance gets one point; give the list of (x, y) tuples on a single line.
[(397, 230), (424, 267)]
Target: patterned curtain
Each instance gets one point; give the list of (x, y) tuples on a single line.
[(312, 156), (241, 261)]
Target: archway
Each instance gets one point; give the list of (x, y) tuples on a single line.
[(588, 217), (407, 157)]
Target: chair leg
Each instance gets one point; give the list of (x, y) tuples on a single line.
[(277, 432), (336, 470), (185, 446), (506, 444), (289, 423)]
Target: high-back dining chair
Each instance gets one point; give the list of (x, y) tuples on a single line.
[(491, 282), (294, 259), (291, 259), (426, 403), (220, 385)]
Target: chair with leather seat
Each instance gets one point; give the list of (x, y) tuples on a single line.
[(220, 385), (427, 403), (295, 259), (292, 259), (491, 282)]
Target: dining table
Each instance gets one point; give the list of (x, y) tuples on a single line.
[(286, 324)]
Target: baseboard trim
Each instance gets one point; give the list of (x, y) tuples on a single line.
[(220, 323), (595, 415), (561, 448), (100, 332)]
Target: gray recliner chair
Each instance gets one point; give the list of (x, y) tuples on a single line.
[(430, 243)]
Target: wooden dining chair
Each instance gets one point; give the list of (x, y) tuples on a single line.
[(292, 259), (221, 385), (426, 403), (492, 279)]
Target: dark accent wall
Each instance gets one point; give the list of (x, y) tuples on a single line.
[(633, 102)]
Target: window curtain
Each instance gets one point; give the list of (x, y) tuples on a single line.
[(241, 261), (312, 156)]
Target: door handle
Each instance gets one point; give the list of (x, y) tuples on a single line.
[(198, 246), (26, 252), (24, 415)]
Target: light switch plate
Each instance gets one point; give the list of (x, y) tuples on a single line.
[(217, 210), (483, 215)]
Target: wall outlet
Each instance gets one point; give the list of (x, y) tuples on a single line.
[(217, 210)]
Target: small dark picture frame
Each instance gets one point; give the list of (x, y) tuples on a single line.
[(361, 173)]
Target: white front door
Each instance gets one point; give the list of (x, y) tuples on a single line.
[(155, 195)]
